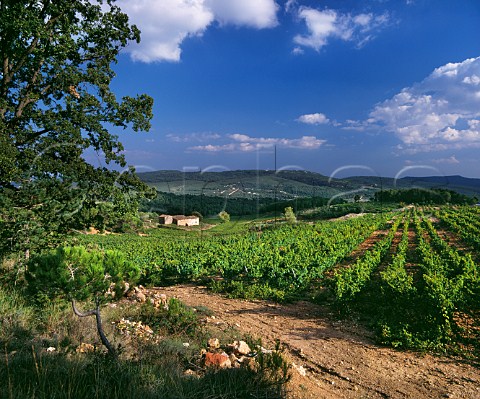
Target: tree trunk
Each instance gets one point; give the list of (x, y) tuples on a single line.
[(96, 312)]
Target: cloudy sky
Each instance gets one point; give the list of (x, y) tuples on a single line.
[(373, 87)]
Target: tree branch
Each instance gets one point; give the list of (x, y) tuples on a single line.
[(29, 91), (96, 312), (28, 51), (22, 105), (80, 314), (31, 137), (103, 337)]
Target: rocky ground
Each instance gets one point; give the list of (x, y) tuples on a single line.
[(336, 359)]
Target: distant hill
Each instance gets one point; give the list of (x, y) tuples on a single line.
[(460, 184), (463, 185), (290, 184), (246, 183)]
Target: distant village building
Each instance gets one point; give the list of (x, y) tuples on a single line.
[(179, 220)]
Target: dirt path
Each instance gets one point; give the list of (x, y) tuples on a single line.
[(338, 359)]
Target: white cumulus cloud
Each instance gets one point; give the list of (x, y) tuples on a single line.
[(329, 24), (165, 24), (313, 119), (245, 143), (254, 13), (185, 138), (441, 112), (450, 160)]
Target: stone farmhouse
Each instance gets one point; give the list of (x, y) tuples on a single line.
[(165, 219), (179, 220)]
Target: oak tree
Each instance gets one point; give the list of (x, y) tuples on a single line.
[(56, 105)]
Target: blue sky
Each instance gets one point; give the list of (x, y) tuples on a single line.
[(371, 86)]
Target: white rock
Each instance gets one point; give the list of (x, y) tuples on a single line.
[(241, 347)]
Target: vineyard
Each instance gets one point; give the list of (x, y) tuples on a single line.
[(411, 275)]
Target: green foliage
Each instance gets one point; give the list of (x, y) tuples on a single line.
[(55, 104), (336, 210), (412, 294), (423, 196), (465, 222), (175, 319), (224, 216), (210, 205), (395, 275), (448, 277), (204, 204), (350, 280), (290, 217), (80, 274), (282, 261), (416, 299)]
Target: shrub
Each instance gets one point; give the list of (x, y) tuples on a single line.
[(290, 215), (224, 216), (75, 273)]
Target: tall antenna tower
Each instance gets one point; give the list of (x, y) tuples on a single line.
[(275, 158), (276, 185)]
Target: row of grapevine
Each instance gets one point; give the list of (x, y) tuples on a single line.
[(286, 257), (464, 222), (414, 305), (349, 281), (395, 274), (468, 215), (455, 263), (412, 295), (449, 277)]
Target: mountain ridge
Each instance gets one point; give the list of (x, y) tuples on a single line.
[(286, 184)]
